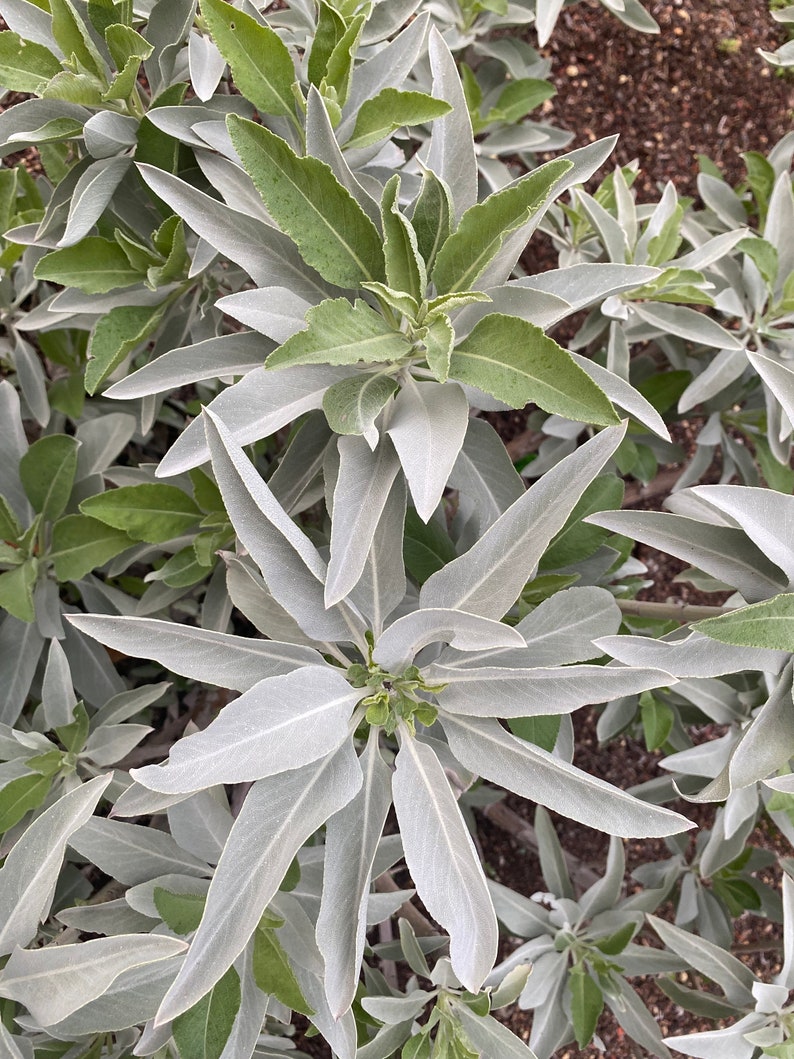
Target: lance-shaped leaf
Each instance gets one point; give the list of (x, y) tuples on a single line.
[(488, 1036), (389, 110), (484, 746), (218, 658), (778, 377), (279, 724), (151, 511), (133, 853), (332, 232), (484, 227), (268, 256), (487, 580), (92, 194), (484, 472), (450, 153), (443, 861), (32, 867), (514, 361), (94, 265), (768, 624), (693, 656), (407, 636), (428, 425), (234, 354), (261, 65), (490, 691), (351, 839), (341, 333), (205, 1029), (277, 817), (257, 406), (47, 471), (730, 974), (405, 268), (767, 744), (290, 564), (276, 312), (722, 551), (362, 488), (766, 516), (686, 323), (53, 983), (81, 544), (352, 405)]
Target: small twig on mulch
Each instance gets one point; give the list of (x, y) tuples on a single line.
[(683, 613)]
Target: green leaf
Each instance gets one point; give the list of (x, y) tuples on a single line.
[(341, 333), (663, 247), (657, 721), (81, 544), (20, 796), (206, 493), (125, 44), (764, 256), (761, 178), (203, 1030), (575, 542), (260, 61), (73, 736), (94, 266), (405, 269), (25, 64), (615, 943), (587, 1003), (767, 624), (74, 38), (426, 547), (116, 335), (738, 894), (169, 240), (339, 69), (330, 30), (181, 912), (484, 227), (47, 471), (351, 406), (663, 388), (432, 216), (517, 363), (181, 570), (438, 340), (16, 590), (520, 97), (152, 512), (542, 731), (273, 973), (389, 110), (10, 528), (778, 476), (306, 201)]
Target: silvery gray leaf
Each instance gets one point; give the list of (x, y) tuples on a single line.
[(112, 742), (201, 824), (276, 312), (583, 284), (93, 192), (538, 307), (362, 489), (450, 153), (30, 22), (488, 1036), (624, 395), (521, 916), (489, 577), (264, 252), (133, 853), (108, 134), (19, 125), (258, 405), (730, 974), (53, 983), (206, 65), (251, 596), (404, 638), (490, 690), (141, 896), (20, 648), (13, 445), (290, 564), (485, 747), (93, 673), (485, 472), (721, 551), (693, 655), (101, 441), (213, 358), (321, 142), (428, 424), (443, 861), (381, 588), (351, 839), (228, 661), (279, 724), (278, 815), (110, 918), (57, 694), (31, 869), (396, 1009)]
